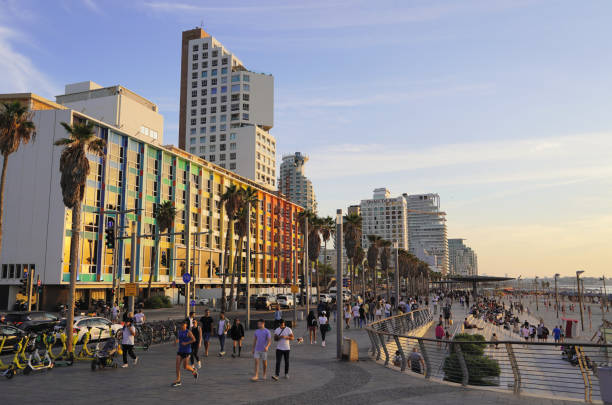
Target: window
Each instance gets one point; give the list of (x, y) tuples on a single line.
[(192, 141), (204, 73), (224, 80), (215, 54), (223, 89), (222, 137), (224, 61), (203, 111), (245, 97), (213, 72), (193, 121), (235, 97), (235, 88), (192, 131), (213, 119), (222, 147), (222, 165), (233, 146), (211, 158), (232, 156), (202, 139), (235, 107), (213, 138), (235, 78), (195, 56), (213, 90), (203, 83), (232, 166), (194, 75), (222, 156), (222, 127), (213, 82), (194, 103), (202, 121), (194, 93), (215, 62), (213, 100), (194, 85), (245, 106), (223, 108), (194, 66), (204, 92), (202, 149), (233, 118), (204, 55), (204, 46), (245, 78), (212, 148), (224, 99), (232, 136), (213, 110), (194, 48), (245, 116), (204, 65), (246, 87), (224, 71), (203, 101)]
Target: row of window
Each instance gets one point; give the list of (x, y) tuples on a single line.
[(16, 270), (213, 128)]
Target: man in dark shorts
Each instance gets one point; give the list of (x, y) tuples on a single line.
[(206, 322)]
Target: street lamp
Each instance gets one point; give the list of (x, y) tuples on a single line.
[(536, 293), (339, 284), (397, 283), (578, 273), (557, 294)]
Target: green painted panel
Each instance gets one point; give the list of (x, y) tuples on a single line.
[(195, 169), (87, 278), (133, 170), (113, 189), (180, 186), (66, 277), (131, 217), (148, 220), (107, 277), (151, 176), (89, 208), (151, 152), (151, 198), (167, 181), (90, 235), (132, 193), (167, 158), (182, 164)]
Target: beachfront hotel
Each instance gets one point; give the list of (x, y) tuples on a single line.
[(136, 173)]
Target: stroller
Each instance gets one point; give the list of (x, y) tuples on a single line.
[(105, 357)]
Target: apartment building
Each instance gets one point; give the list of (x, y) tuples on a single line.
[(463, 261), (293, 182), (386, 217), (226, 110), (136, 173), (427, 230)]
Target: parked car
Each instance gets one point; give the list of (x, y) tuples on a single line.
[(202, 301), (327, 298), (264, 302), (285, 301), (99, 327), (271, 297), (35, 321), (12, 334)]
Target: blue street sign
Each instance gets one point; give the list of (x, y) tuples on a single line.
[(193, 303), (186, 278)]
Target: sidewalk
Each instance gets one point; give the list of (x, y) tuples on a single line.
[(316, 378)]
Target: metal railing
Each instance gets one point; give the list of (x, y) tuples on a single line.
[(471, 358)]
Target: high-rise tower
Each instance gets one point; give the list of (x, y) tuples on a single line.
[(293, 182)]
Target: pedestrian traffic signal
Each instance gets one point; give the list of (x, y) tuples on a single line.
[(301, 281), (23, 286), (164, 259), (110, 234)]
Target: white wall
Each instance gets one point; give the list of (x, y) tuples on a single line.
[(262, 99)]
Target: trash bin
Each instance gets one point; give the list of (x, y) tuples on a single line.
[(605, 384), (350, 350), (300, 316)]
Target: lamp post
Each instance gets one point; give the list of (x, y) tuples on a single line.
[(578, 273), (397, 283), (339, 284), (557, 294), (248, 268), (536, 293)]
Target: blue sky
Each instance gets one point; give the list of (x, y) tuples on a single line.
[(502, 107)]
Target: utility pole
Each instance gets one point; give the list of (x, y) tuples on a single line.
[(578, 273), (133, 267), (248, 268), (37, 292), (536, 293), (294, 261), (339, 284), (115, 273), (29, 287), (306, 266), (557, 294)]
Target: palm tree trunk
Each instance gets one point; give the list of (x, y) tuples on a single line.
[(374, 282), (231, 266), (324, 263), (154, 264), (388, 289), (74, 252), (318, 283), (238, 266), (225, 265), (362, 282), (2, 183)]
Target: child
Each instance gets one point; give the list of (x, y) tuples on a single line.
[(397, 359)]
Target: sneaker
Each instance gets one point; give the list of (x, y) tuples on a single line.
[(199, 364), (323, 344), (275, 377), (315, 342), (125, 366), (176, 384), (233, 355), (136, 361), (254, 379), (286, 376)]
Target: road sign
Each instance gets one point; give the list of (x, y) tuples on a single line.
[(193, 303), (38, 283), (295, 289), (131, 289), (186, 278)]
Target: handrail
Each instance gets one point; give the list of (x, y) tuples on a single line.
[(558, 370)]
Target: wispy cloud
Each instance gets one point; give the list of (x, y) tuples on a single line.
[(92, 5), (581, 152), (19, 74)]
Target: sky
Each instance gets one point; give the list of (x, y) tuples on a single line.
[(503, 107)]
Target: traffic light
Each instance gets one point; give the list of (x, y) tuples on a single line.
[(110, 233), (181, 289), (164, 259), (301, 281), (23, 286)]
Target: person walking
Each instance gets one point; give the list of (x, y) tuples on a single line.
[(184, 339), (439, 334), (557, 334), (362, 315), (356, 317), (196, 331), (261, 343), (416, 361), (127, 342), (237, 335), (323, 326), (222, 328), (278, 315), (115, 313), (378, 312), (311, 321), (206, 323), (347, 316), (139, 317), (282, 335)]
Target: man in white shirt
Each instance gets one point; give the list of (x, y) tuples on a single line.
[(355, 310), (282, 335)]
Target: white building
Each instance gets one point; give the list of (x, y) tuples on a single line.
[(117, 106), (226, 111), (386, 217), (293, 182), (463, 261), (427, 230)]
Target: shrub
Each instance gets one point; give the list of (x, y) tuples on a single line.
[(482, 370), (158, 302)]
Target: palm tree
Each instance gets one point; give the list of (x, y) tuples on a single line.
[(164, 214), (314, 243), (248, 199), (327, 230), (74, 168), (304, 217), (385, 255), (16, 128), (372, 256), (358, 261), (230, 201), (352, 236)]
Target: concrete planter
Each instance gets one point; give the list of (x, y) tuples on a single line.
[(605, 384)]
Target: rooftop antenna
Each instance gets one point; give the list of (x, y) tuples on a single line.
[(202, 24)]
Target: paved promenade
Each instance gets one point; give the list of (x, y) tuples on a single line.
[(316, 377)]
